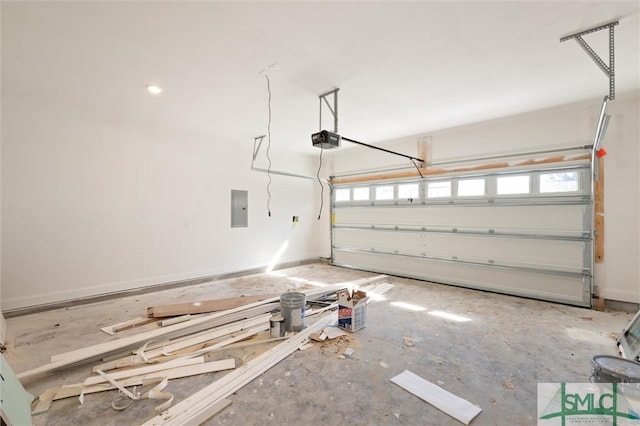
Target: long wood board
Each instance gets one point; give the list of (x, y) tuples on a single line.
[(211, 320), (204, 306), (196, 405), (67, 391), (458, 408), (94, 380), (97, 351)]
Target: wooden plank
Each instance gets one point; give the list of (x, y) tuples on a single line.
[(181, 362), (205, 306), (548, 160), (190, 408), (45, 399), (137, 360), (69, 391), (96, 351), (458, 408), (599, 210), (424, 150), (209, 412), (207, 321), (133, 324), (176, 320), (186, 328), (120, 387), (599, 238), (599, 187), (430, 172), (126, 325), (214, 334)]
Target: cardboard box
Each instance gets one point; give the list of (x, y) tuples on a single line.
[(352, 310)]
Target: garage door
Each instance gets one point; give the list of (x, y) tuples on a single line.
[(520, 232)]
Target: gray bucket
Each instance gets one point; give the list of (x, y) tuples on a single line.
[(292, 307), (613, 369)]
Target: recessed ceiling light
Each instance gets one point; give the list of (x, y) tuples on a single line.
[(153, 89)]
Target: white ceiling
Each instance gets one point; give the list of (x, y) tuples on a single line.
[(403, 68)]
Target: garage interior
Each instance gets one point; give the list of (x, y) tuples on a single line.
[(456, 160)]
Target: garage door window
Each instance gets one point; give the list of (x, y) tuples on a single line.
[(360, 194), (513, 185), (470, 187), (438, 189), (384, 193), (408, 190), (343, 194), (559, 182)]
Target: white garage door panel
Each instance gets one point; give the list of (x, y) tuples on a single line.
[(559, 288), (562, 255), (533, 240), (379, 240), (564, 219)]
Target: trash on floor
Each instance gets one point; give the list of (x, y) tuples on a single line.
[(352, 311), (189, 345), (458, 408)]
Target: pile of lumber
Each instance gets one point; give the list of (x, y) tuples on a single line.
[(186, 341)]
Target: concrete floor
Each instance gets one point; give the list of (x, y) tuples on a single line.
[(494, 359)]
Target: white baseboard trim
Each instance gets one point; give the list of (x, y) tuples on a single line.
[(621, 295), (70, 297)]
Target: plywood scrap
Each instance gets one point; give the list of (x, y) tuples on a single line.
[(204, 306), (458, 408)]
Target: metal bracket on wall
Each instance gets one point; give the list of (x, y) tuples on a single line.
[(333, 110), (609, 70)]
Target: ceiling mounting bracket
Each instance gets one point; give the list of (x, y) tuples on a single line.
[(608, 70), (333, 110), (326, 140)]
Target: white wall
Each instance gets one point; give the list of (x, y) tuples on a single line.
[(92, 204), (571, 125)]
